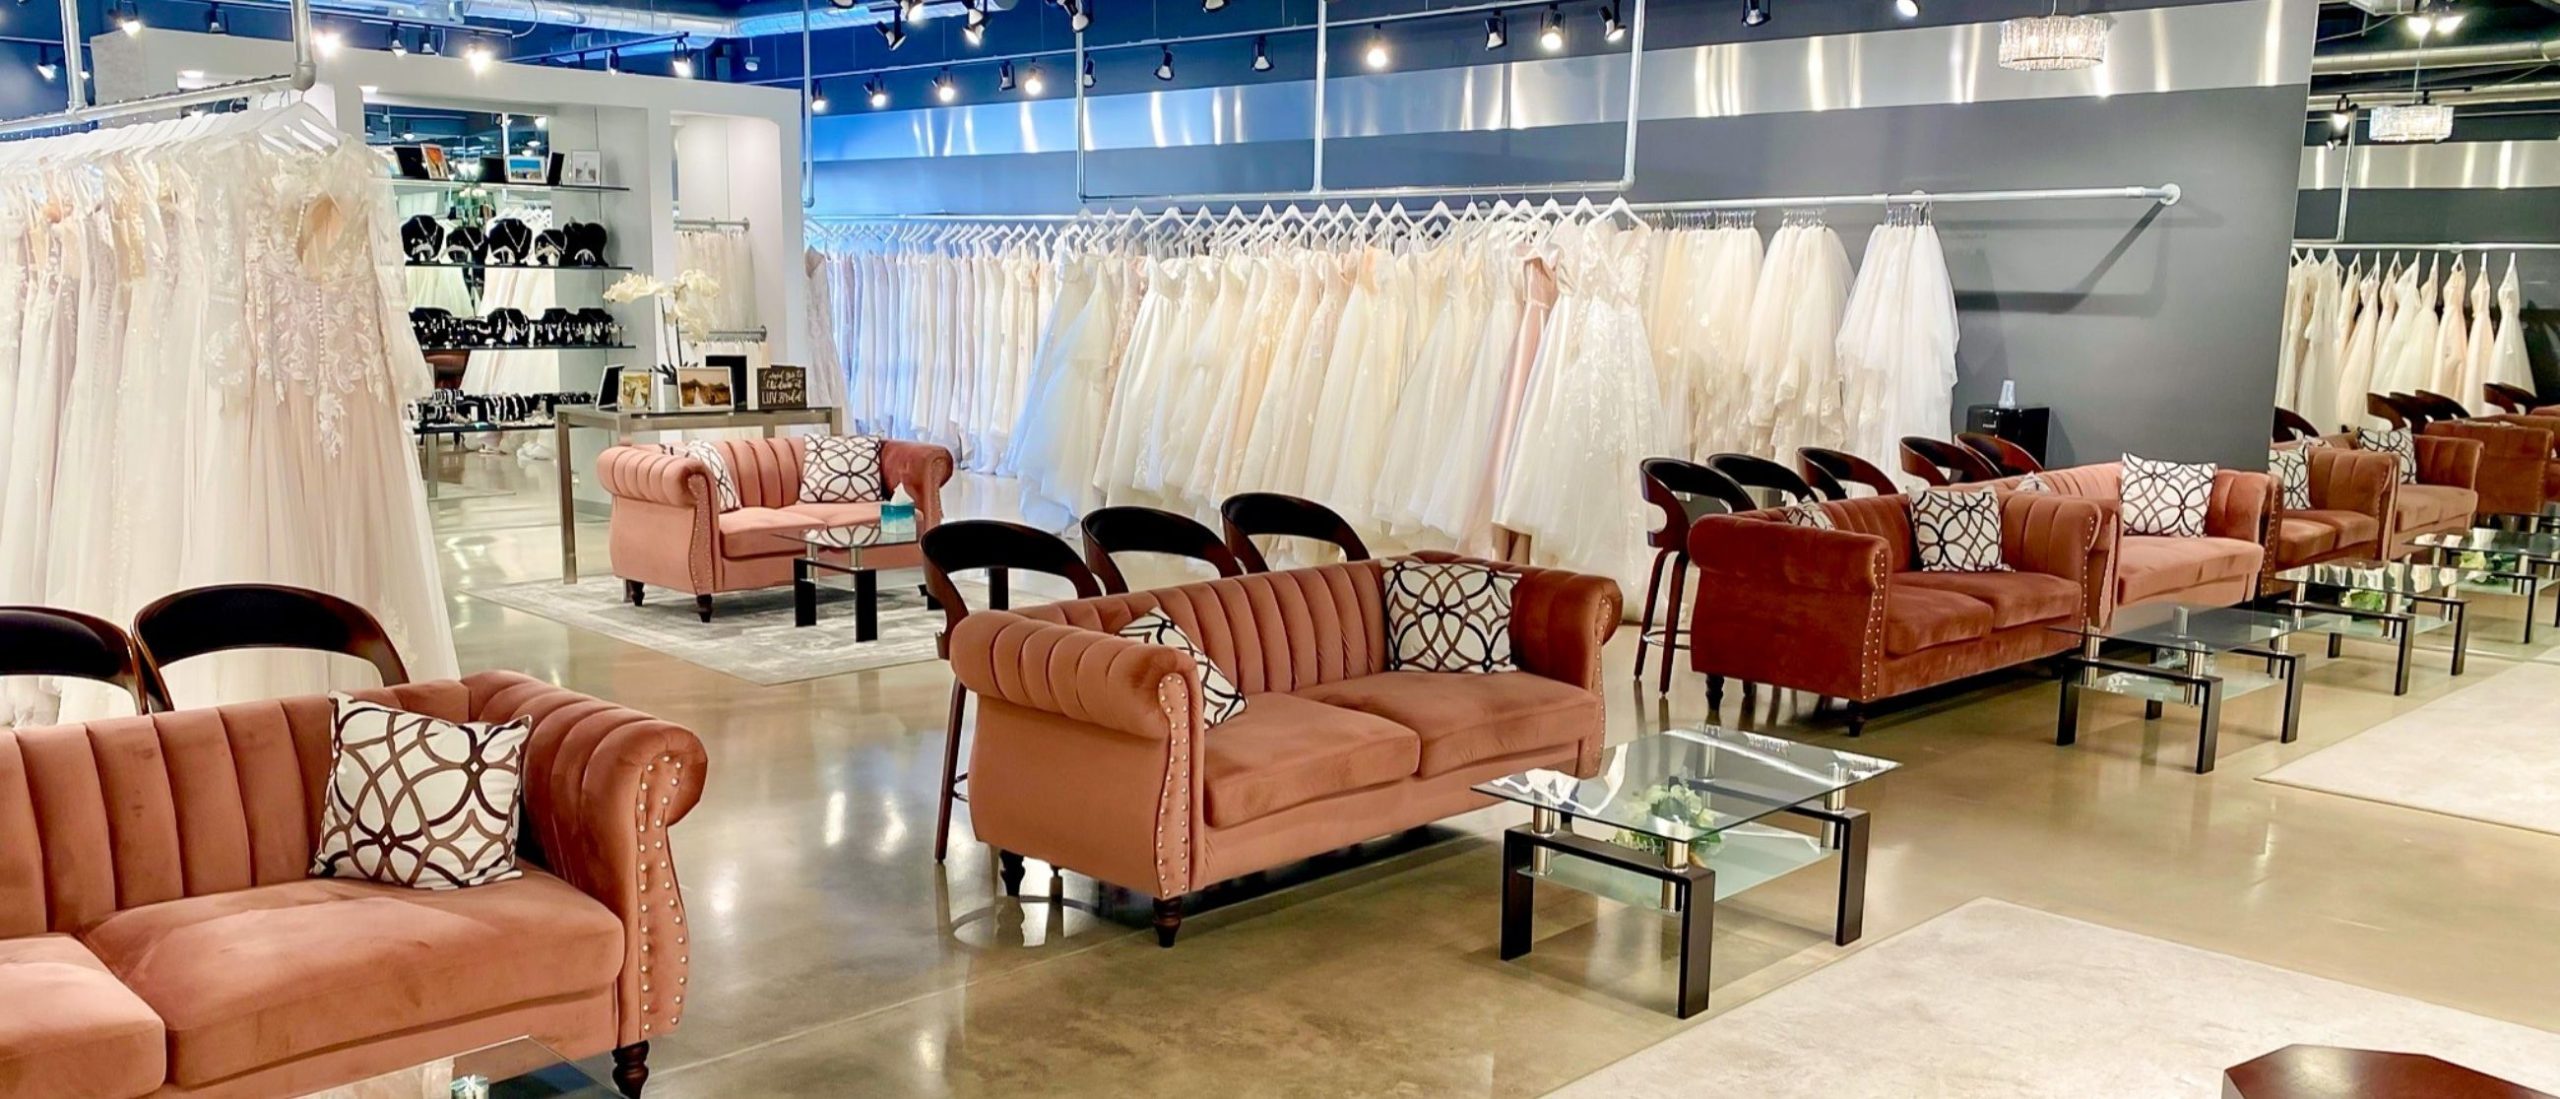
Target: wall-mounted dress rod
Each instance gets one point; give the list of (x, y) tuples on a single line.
[(78, 112), (711, 223), (2167, 194), (2435, 246)]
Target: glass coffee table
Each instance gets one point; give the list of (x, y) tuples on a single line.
[(2514, 562), (842, 550), (518, 1069), (1683, 807), (2184, 642), (2392, 601)]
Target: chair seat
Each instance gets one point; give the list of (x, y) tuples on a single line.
[(73, 1031), (770, 532), (1917, 617), (2347, 530), (247, 979), (2300, 539), (1465, 718), (2149, 566), (2424, 507), (2016, 598), (1284, 751)]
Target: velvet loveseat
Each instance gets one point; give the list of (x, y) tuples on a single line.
[(2220, 569), (159, 935), (1091, 753), (668, 530), (2352, 493), (2519, 466), (1847, 614), (2443, 499)]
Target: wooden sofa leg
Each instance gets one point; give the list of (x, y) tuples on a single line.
[(1857, 718), (634, 591), (1715, 692), (1011, 871), (631, 1069), (1168, 920), (702, 606)]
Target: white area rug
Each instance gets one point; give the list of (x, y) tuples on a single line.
[(2488, 752), (750, 634), (2001, 1002)]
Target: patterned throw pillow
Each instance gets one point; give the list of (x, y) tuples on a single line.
[(841, 469), (1808, 514), (2395, 442), (2167, 498), (721, 478), (1449, 618), (2291, 468), (2032, 482), (1219, 698), (1957, 530), (419, 801)]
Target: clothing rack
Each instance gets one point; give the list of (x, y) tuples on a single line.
[(2437, 246), (2166, 194), (711, 223), (78, 112)]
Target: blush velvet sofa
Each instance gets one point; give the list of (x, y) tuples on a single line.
[(1091, 754), (1847, 614), (158, 935), (2220, 569), (668, 530)]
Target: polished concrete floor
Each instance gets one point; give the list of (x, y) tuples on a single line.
[(833, 957)]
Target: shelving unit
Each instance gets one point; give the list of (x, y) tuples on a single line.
[(518, 266), (535, 347)]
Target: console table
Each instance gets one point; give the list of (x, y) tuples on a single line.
[(626, 425)]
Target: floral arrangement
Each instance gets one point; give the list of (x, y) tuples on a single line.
[(683, 303), (1671, 801)]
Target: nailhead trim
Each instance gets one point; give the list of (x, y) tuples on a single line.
[(1173, 801), (652, 837)]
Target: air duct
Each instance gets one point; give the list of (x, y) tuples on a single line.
[(620, 20), (2533, 52), (2530, 91)]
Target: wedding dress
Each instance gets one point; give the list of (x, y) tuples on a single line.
[(2444, 374), (2508, 365), (2480, 348), (2355, 379), (2315, 386)]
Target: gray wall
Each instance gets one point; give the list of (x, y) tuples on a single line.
[(2421, 215)]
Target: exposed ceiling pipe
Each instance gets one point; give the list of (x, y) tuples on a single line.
[(622, 20), (2533, 52), (2523, 91)]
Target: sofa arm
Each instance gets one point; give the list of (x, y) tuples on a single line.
[(653, 475), (2508, 471), (2550, 423), (2448, 460), (1085, 675), (2241, 506), (2060, 536), (1792, 606), (1761, 551), (922, 469), (602, 784), (2360, 481)]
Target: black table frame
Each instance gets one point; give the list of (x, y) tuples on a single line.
[(2397, 628), (2206, 685), (1692, 885), (2537, 575), (866, 594)]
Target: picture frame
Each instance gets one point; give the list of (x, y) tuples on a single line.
[(782, 386), (638, 391), (529, 169), (704, 389), (437, 167), (582, 168), (609, 392), (736, 365), (411, 160)]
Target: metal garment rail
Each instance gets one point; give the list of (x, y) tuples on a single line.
[(712, 223), (2435, 246), (78, 112), (2166, 194)]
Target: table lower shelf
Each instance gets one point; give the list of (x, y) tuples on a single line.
[(1751, 855)]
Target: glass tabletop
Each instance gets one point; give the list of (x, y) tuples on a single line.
[(860, 535), (2389, 577), (2484, 540), (2202, 629), (1688, 784)]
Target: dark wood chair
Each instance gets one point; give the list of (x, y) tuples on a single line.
[(2381, 407), (1831, 472), (2440, 407), (223, 617), (1752, 471), (2290, 425), (1150, 530), (53, 641), (1250, 515), (1683, 492), (998, 548), (2510, 398), (2009, 458), (1942, 463)]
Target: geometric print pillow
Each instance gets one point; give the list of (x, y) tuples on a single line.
[(841, 469), (2395, 442), (2291, 467), (1220, 699), (1449, 618), (721, 479), (1808, 514), (2165, 498), (1957, 530), (2032, 482), (418, 801)]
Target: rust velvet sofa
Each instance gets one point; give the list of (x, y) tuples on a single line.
[(1846, 614), (2519, 460), (1091, 753), (2352, 492), (668, 530), (158, 935), (2445, 497), (2220, 569)]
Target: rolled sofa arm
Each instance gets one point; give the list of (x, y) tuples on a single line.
[(2353, 480), (1083, 675), (647, 473), (602, 784), (2446, 460), (922, 469), (1792, 606), (2240, 506)]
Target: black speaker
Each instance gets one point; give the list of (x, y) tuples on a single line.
[(2023, 426)]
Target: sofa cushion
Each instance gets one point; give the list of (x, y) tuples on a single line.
[(1466, 718), (2015, 598), (73, 1031), (2419, 507), (2352, 528), (1284, 751), (2300, 539), (1916, 617), (249, 978), (766, 532), (2149, 566)]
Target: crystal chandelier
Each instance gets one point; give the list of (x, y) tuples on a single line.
[(2047, 43), (2407, 122)]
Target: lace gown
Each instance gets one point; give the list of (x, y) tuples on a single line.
[(2507, 362)]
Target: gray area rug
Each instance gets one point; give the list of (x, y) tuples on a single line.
[(1994, 1000), (2489, 752), (750, 634)]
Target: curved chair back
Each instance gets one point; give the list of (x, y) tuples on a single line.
[(963, 545), (1940, 462), (53, 641), (1831, 472), (1685, 492), (1752, 471), (2510, 398), (222, 617), (2009, 458), (1247, 515), (2382, 407), (2290, 425), (1150, 530), (2440, 407)]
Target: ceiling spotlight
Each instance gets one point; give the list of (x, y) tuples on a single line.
[(1755, 12), (213, 21), (427, 42), (1907, 9), (683, 64), (1079, 14), (1004, 77), (877, 91), (129, 20), (912, 11), (1375, 55), (1164, 64), (478, 55), (1031, 82), (894, 32), (46, 66), (1610, 28), (369, 90), (2420, 25), (974, 26), (2446, 23), (329, 42), (1261, 55), (612, 60), (399, 42), (1087, 78), (944, 89), (1551, 30), (1497, 31), (542, 122), (817, 99), (1213, 5)]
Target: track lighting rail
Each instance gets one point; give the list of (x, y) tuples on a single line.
[(79, 112)]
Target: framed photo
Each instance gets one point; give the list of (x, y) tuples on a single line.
[(637, 386), (411, 161), (528, 169), (582, 169), (609, 394), (436, 166), (704, 389), (736, 365), (780, 386)]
